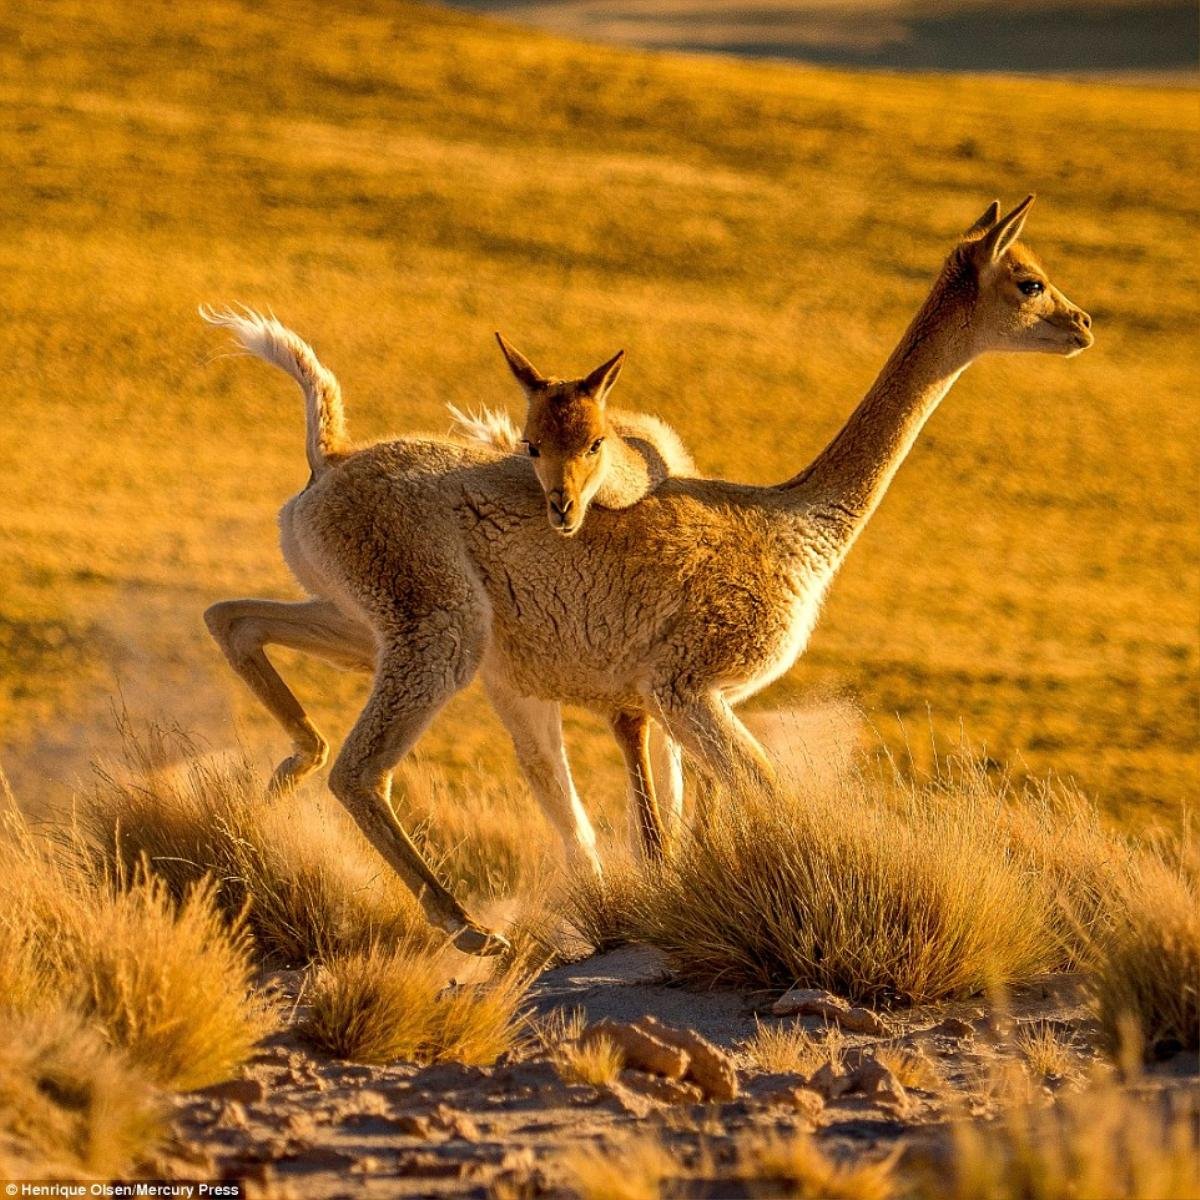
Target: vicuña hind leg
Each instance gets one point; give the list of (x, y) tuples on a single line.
[(244, 628), (666, 769), (535, 727), (632, 732), (722, 746)]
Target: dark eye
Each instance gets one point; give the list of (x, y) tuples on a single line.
[(595, 447), (534, 452), (1031, 287)]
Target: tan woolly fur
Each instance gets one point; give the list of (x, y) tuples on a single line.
[(429, 561)]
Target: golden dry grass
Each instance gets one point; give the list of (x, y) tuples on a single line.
[(400, 180), (893, 894), (1144, 960), (307, 881), (70, 1106), (1049, 1053), (168, 981), (793, 1165), (380, 1005), (596, 1062), (788, 1048), (1101, 1141)]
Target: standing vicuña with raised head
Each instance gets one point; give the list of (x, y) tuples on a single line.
[(433, 556)]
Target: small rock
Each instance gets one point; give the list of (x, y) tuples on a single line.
[(368, 1164), (708, 1066), (661, 1089), (642, 1050), (411, 1125), (814, 1002), (232, 1116), (798, 1000), (796, 1096), (830, 1080), (878, 1082), (244, 1091), (323, 1158), (953, 1027), (862, 1020)]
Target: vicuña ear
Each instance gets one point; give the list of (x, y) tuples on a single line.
[(1005, 232), (599, 383), (991, 215), (527, 375)]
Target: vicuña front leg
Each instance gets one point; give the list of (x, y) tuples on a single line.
[(410, 687), (244, 628), (632, 732), (723, 748)]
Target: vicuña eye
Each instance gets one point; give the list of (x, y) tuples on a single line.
[(533, 450), (1031, 287), (595, 447)]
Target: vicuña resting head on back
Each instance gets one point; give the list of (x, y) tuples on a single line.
[(575, 450)]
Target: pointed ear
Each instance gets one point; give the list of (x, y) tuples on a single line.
[(599, 383), (991, 215), (1004, 232), (527, 375)]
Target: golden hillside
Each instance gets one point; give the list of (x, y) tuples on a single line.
[(396, 181)]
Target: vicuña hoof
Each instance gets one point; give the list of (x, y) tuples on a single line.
[(472, 939)]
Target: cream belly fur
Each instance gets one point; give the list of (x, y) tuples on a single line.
[(432, 562)]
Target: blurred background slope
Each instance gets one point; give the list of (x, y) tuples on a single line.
[(1117, 37), (396, 181)]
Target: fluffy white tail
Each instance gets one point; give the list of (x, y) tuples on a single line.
[(488, 426), (266, 338)]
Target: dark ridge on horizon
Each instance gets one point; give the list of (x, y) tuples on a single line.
[(1123, 36)]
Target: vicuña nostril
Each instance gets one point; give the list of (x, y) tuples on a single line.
[(1085, 320), (566, 506)]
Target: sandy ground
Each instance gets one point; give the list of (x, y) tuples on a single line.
[(304, 1125)]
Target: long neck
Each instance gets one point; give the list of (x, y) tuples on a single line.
[(849, 477)]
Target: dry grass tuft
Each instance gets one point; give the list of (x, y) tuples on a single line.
[(898, 894), (633, 1169), (1102, 1141), (788, 1049), (1049, 1053), (597, 1063), (70, 1106), (169, 982), (911, 1067), (605, 911), (1145, 959), (308, 881), (377, 1006), (795, 1162)]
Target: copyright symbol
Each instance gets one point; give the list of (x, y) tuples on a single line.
[(11, 1190)]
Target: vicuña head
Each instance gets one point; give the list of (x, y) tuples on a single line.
[(1015, 306), (567, 434)]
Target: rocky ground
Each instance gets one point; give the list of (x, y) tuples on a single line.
[(298, 1123)]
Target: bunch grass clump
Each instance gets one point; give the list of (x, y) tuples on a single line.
[(1100, 1141), (908, 896), (379, 1005), (70, 1105), (307, 882), (168, 982), (1144, 960)]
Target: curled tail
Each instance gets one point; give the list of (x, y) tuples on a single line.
[(488, 426), (266, 338)]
